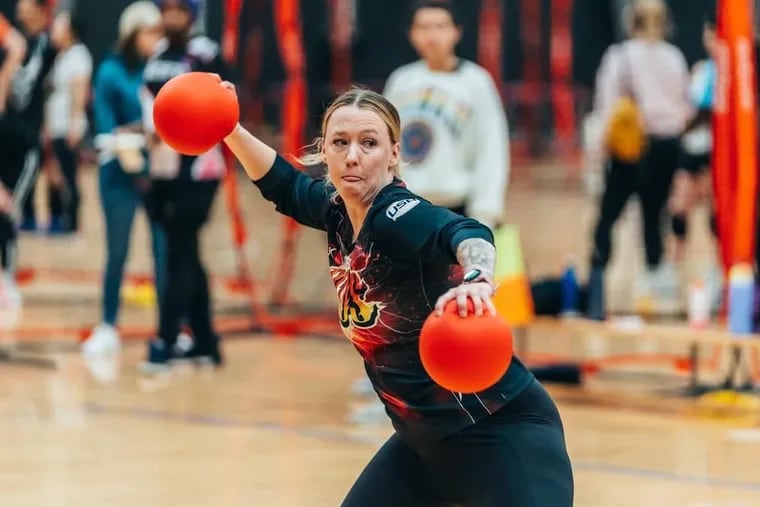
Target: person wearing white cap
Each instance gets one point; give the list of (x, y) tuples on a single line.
[(122, 165)]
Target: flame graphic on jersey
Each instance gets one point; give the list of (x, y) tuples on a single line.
[(354, 309)]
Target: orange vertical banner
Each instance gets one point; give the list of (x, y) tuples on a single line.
[(490, 41), (244, 282), (735, 132), (739, 18), (342, 14), (561, 65), (723, 153), (288, 22), (231, 30), (290, 38)]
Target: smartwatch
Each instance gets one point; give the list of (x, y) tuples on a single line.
[(476, 275), (472, 276)]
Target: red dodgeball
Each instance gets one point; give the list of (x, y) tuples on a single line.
[(192, 112), (465, 355)]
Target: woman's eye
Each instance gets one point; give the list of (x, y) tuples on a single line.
[(339, 142), (369, 143)]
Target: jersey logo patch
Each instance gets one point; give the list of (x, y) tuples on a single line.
[(416, 141), (400, 208)]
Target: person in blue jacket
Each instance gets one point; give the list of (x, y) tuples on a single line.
[(122, 163)]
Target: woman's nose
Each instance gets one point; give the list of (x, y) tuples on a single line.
[(353, 153)]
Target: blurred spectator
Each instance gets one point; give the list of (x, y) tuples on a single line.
[(454, 138), (26, 108), (66, 117), (654, 75), (693, 179), (182, 193), (14, 48), (122, 164), (21, 118)]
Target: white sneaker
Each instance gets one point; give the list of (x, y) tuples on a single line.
[(643, 298), (104, 340), (9, 289), (10, 303), (658, 291), (665, 281)]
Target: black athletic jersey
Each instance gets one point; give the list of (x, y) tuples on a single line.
[(27, 94), (387, 282), (200, 54)]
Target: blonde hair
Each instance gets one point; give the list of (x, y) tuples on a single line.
[(363, 99), (648, 18)]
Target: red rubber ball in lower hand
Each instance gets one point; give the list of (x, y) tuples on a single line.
[(465, 354), (192, 112)]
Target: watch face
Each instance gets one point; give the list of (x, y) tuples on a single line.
[(472, 275)]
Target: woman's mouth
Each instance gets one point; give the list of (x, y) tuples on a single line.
[(351, 179)]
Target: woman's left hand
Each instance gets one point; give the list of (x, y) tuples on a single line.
[(479, 292)]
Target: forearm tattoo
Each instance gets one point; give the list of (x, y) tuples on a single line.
[(479, 254)]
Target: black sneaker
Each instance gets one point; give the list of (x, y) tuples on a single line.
[(205, 353)]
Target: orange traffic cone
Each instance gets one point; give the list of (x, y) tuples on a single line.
[(513, 299)]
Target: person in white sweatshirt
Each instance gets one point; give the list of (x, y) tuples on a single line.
[(454, 134), (454, 139)]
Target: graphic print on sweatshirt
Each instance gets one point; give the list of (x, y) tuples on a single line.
[(422, 110)]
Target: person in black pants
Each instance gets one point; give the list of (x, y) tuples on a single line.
[(26, 103), (20, 129), (181, 195), (395, 259), (66, 117), (653, 73), (650, 180)]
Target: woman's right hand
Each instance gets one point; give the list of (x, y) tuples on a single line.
[(229, 86)]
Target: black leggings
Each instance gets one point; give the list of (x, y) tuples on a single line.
[(514, 458), (64, 202), (650, 180), (182, 207)]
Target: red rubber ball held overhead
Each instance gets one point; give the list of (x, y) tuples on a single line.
[(192, 112), (465, 354)]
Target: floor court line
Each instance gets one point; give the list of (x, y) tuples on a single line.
[(347, 437)]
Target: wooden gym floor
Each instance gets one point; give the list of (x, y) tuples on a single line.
[(273, 427)]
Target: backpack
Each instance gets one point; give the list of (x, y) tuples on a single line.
[(625, 136)]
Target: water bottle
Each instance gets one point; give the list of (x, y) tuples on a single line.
[(570, 290), (741, 295), (699, 305)]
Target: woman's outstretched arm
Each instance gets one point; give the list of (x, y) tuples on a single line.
[(254, 155)]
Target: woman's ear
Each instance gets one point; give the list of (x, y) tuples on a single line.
[(395, 155)]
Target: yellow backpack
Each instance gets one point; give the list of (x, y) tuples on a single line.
[(626, 138)]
